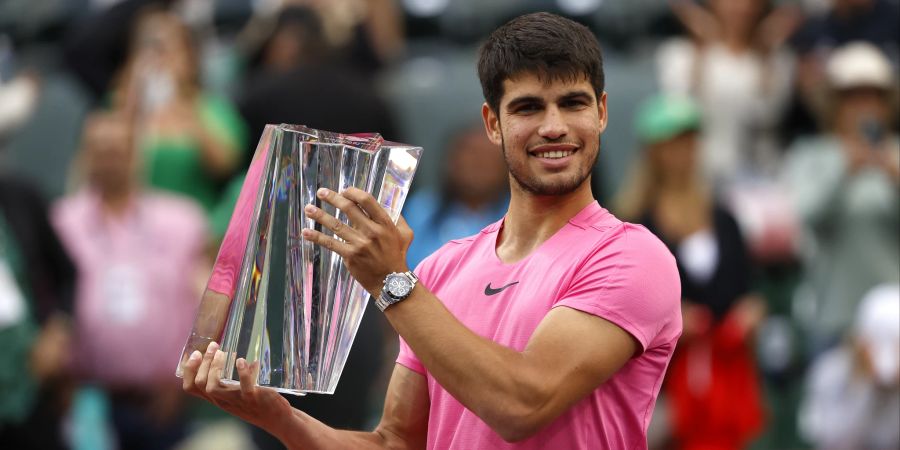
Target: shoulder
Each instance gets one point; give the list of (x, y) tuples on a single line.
[(633, 250), (724, 218), (813, 147), (817, 154), (15, 189), (70, 208), (606, 235), (831, 369), (629, 277), (173, 210)]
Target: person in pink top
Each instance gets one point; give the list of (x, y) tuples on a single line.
[(138, 254), (551, 328)]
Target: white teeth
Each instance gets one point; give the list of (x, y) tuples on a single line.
[(555, 154)]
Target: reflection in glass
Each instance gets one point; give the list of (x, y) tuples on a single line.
[(275, 298)]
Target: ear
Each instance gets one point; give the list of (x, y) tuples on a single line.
[(602, 112), (491, 124)]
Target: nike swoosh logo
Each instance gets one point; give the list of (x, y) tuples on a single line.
[(488, 290)]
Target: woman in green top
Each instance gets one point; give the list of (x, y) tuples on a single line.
[(192, 141)]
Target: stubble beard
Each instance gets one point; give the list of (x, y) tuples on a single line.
[(535, 186)]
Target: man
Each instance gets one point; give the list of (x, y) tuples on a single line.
[(549, 329), (137, 253)]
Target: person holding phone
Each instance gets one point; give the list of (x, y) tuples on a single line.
[(844, 185)]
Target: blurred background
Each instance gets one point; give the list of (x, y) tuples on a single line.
[(757, 138)]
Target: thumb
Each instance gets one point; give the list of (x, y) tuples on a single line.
[(405, 231)]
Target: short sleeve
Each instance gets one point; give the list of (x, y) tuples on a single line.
[(406, 358), (632, 281)]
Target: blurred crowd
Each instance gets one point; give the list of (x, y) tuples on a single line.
[(761, 147)]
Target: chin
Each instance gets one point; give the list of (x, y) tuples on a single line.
[(561, 187)]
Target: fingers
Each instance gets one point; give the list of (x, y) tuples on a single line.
[(248, 374), (405, 230), (202, 377), (216, 370), (189, 372), (339, 228), (351, 209), (317, 237), (368, 204)]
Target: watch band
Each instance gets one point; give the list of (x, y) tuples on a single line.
[(385, 299)]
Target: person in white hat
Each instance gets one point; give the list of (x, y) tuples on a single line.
[(844, 186), (853, 391)]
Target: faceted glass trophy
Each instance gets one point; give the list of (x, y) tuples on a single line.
[(280, 300)]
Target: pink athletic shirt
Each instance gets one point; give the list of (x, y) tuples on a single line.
[(596, 264)]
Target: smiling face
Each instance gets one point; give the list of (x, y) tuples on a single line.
[(549, 130)]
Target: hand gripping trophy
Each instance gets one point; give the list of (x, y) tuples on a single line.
[(274, 297)]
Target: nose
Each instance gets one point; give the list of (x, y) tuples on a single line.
[(553, 125)]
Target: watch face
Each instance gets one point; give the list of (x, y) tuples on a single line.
[(398, 286)]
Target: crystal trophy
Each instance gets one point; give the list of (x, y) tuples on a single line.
[(274, 297)]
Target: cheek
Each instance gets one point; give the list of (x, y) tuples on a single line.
[(589, 125), (511, 142)]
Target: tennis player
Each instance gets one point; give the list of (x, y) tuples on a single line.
[(550, 329)]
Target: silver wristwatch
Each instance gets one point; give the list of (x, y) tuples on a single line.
[(397, 286)]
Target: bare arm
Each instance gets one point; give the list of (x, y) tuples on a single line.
[(219, 157), (516, 393), (698, 21), (403, 426)]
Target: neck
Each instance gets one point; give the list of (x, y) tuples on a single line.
[(691, 199), (115, 201), (532, 219), (736, 42), (680, 184)]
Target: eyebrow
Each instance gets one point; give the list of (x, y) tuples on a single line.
[(579, 94), (571, 95), (525, 99)]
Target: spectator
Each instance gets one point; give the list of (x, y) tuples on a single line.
[(853, 391), (308, 88), (96, 47), (845, 21), (474, 194), (713, 368), (36, 281), (740, 74), (138, 254), (361, 35), (191, 141), (844, 185)]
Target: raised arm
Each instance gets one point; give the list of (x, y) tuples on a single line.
[(403, 425), (515, 393)]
